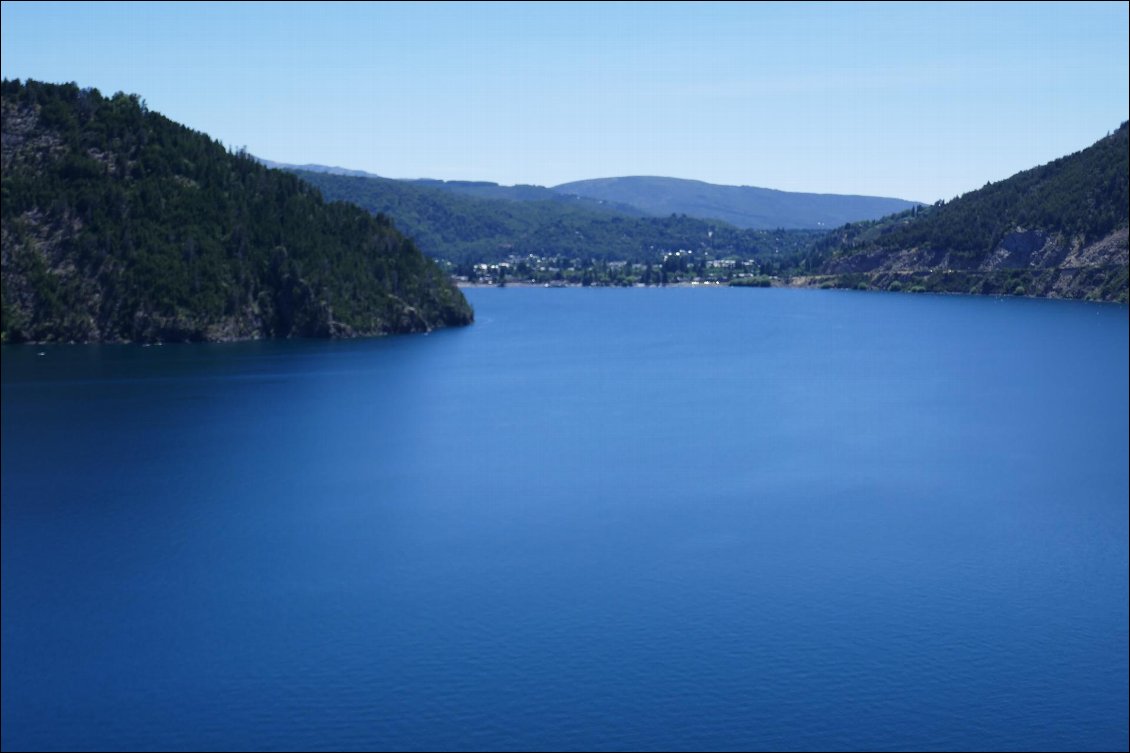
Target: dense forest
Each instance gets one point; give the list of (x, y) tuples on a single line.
[(121, 225), (452, 224), (1059, 230)]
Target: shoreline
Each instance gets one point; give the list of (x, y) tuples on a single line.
[(471, 285), (807, 283)]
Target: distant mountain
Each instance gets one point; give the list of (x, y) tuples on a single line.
[(120, 225), (485, 190), (463, 228), (741, 206), (315, 168), (1056, 230), (477, 188)]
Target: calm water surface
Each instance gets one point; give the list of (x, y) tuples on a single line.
[(689, 519)]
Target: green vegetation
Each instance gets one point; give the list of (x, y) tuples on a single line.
[(1101, 283), (465, 230), (487, 190), (119, 224), (757, 281), (1059, 230)]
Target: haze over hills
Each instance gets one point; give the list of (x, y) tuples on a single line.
[(121, 225), (1056, 230), (741, 206)]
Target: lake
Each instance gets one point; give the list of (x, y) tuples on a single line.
[(615, 519)]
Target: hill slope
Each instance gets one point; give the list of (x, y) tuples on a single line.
[(1056, 230), (477, 188), (741, 206), (311, 168), (464, 228), (487, 190), (119, 224)]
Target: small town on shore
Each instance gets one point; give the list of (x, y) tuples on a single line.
[(682, 267)]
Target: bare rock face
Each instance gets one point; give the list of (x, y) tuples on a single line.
[(1113, 250), (1016, 249)]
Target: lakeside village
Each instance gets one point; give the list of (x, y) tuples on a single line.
[(682, 267)]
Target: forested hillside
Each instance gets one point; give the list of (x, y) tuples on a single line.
[(521, 192), (461, 228), (1056, 230), (121, 225)]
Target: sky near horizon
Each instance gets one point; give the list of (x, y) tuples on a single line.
[(916, 101)]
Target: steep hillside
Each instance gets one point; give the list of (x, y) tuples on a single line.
[(121, 225), (1057, 230), (463, 228), (741, 206)]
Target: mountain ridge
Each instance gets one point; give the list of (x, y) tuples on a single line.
[(745, 207), (750, 207), (467, 229)]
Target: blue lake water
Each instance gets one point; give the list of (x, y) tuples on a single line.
[(680, 519)]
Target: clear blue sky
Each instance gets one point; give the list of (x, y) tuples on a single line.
[(918, 101)]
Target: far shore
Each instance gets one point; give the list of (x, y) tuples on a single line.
[(463, 284), (802, 282)]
